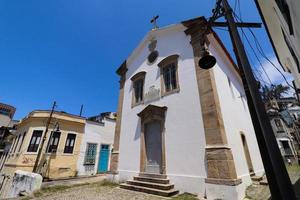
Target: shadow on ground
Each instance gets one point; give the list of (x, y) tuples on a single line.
[(262, 192), (297, 188)]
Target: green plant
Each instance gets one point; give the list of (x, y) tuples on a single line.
[(107, 183), (185, 196)]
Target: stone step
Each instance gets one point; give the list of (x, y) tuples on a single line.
[(151, 185), (152, 180), (150, 175), (264, 182), (256, 178), (164, 193)]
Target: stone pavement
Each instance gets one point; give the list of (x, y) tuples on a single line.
[(94, 191), (75, 181)]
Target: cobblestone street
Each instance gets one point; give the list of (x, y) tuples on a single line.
[(93, 191)]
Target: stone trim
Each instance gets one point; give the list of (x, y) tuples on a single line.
[(139, 75), (220, 163), (115, 153), (164, 63), (229, 182), (152, 113)]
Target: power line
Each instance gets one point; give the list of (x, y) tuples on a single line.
[(261, 51), (256, 56)]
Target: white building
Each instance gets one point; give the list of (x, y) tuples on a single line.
[(96, 146), (6, 128), (281, 19), (6, 114), (283, 136), (181, 126)]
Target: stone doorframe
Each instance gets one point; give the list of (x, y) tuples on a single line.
[(149, 114)]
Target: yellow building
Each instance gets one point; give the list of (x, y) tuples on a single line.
[(61, 147)]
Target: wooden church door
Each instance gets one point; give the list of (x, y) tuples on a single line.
[(153, 145)]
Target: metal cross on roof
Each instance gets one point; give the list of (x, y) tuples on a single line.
[(153, 21)]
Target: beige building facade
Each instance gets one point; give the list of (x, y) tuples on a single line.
[(60, 151)]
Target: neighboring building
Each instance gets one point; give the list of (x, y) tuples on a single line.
[(184, 127), (62, 150), (6, 130), (97, 144), (281, 19), (286, 102), (6, 114), (291, 116), (283, 134)]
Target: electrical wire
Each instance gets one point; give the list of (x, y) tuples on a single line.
[(261, 51), (256, 56), (257, 73)]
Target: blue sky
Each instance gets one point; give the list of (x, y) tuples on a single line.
[(68, 50)]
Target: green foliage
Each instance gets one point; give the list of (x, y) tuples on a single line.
[(185, 196), (109, 184), (62, 188), (55, 189), (274, 92), (295, 168)]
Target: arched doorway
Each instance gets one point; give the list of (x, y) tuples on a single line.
[(247, 154), (152, 140), (153, 147)]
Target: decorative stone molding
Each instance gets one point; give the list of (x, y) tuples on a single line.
[(152, 113), (230, 182), (115, 153), (139, 75), (220, 163), (168, 60)]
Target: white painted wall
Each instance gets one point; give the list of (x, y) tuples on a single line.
[(236, 116), (184, 132), (184, 135), (99, 134)]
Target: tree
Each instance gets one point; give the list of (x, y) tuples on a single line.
[(274, 92)]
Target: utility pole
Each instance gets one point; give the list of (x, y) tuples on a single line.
[(278, 178), (81, 109), (36, 164)]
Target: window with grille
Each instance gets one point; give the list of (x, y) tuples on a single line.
[(23, 137), (138, 90), (90, 154), (278, 124), (70, 142), (53, 142), (35, 141), (169, 74)]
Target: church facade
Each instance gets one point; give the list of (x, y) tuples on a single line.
[(180, 127)]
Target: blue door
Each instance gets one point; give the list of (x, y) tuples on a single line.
[(103, 159)]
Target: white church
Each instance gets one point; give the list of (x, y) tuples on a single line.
[(182, 128)]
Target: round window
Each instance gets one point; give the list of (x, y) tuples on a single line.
[(152, 57)]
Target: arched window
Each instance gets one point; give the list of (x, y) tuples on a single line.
[(169, 75), (138, 88)]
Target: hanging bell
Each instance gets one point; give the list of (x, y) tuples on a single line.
[(207, 61)]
